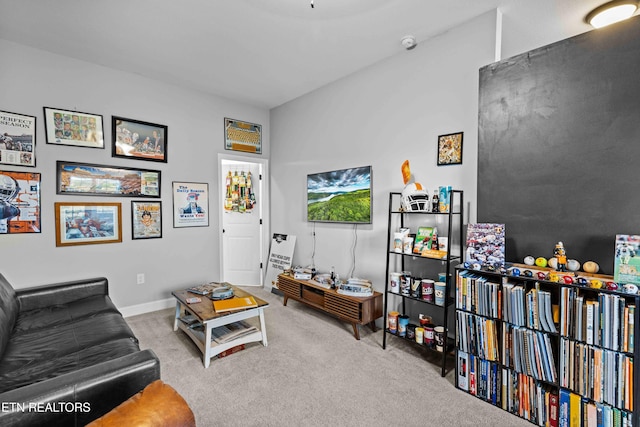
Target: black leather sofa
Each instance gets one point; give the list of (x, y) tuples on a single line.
[(67, 356)]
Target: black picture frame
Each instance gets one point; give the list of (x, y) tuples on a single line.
[(74, 128), (146, 219), (102, 180), (138, 140), (450, 149)]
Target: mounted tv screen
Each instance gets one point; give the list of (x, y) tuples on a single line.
[(340, 196)]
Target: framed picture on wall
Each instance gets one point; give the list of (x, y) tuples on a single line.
[(20, 205), (86, 223), (64, 127), (17, 139), (134, 139), (242, 136), (101, 180), (190, 204), (450, 149), (146, 220)]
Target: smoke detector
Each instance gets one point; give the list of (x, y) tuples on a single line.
[(409, 42)]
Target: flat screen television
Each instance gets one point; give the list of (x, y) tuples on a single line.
[(340, 196)]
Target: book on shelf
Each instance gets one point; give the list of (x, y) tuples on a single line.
[(226, 333), (233, 304), (626, 262), (231, 351), (423, 239), (463, 371), (485, 244)]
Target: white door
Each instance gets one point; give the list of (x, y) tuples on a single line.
[(242, 229)]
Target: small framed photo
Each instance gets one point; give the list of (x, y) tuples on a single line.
[(146, 220), (85, 223), (17, 139), (19, 202), (190, 204), (138, 140), (242, 136), (64, 127), (450, 149)]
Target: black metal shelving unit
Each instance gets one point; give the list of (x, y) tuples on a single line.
[(399, 218)]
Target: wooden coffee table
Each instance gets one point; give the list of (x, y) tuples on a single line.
[(204, 313)]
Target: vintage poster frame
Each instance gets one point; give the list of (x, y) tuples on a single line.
[(99, 180), (20, 206), (234, 129), (83, 130), (185, 193), (146, 219), (134, 139), (17, 139), (72, 216), (450, 149)]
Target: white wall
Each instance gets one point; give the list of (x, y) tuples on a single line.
[(32, 79), (380, 116)]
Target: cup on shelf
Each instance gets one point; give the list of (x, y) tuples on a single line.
[(392, 321), (395, 283), (440, 293), (439, 337), (403, 323)]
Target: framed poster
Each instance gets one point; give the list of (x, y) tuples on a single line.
[(64, 127), (85, 223), (17, 139), (146, 220), (450, 149), (242, 136), (190, 204), (100, 180), (134, 139), (19, 202)]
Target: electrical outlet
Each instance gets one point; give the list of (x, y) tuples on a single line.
[(140, 278)]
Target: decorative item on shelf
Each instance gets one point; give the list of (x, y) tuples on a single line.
[(529, 260), (414, 196), (356, 287), (560, 255), (323, 280)]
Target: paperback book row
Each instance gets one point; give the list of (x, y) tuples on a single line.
[(535, 401), (603, 376), (524, 350), (512, 391), (607, 321), (509, 302)]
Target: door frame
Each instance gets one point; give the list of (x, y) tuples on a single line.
[(264, 241)]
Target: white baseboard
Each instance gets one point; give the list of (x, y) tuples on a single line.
[(134, 310)]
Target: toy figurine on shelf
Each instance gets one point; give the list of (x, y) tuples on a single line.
[(561, 257)]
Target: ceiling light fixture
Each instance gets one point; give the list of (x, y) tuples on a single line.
[(611, 12)]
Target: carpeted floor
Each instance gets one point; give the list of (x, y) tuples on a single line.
[(312, 373)]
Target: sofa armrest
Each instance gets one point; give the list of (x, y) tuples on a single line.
[(61, 293), (82, 396)]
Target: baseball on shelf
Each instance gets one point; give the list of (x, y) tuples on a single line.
[(529, 260), (591, 267)]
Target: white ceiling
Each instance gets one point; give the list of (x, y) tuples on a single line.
[(262, 52)]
